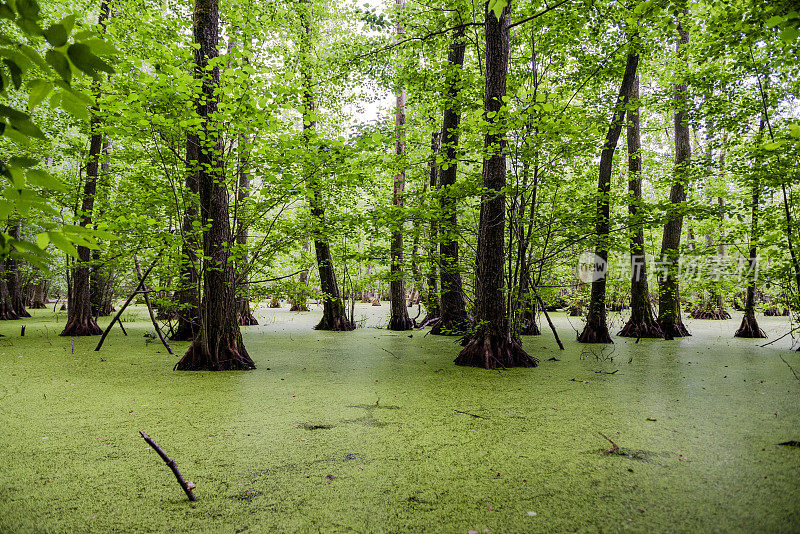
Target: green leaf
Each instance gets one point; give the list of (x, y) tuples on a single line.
[(68, 22), (42, 240), (37, 92), (101, 47), (28, 9), (32, 54), (794, 130), (56, 35), (64, 244), (497, 7), (43, 179), (15, 71), (60, 64), (12, 113), (75, 107), (789, 34), (83, 58), (24, 162), (773, 21), (28, 128)]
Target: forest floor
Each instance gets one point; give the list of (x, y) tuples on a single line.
[(377, 431)]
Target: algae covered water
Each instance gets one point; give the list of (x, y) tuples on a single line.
[(376, 431)]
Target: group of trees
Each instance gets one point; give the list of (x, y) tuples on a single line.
[(228, 141)]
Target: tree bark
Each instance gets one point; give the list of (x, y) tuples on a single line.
[(491, 345), (749, 327), (187, 296), (669, 311), (334, 314), (398, 318), (80, 321), (641, 322), (13, 281), (431, 300), (596, 329), (218, 345), (453, 312), (100, 282), (244, 313)]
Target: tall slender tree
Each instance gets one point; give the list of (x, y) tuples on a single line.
[(80, 321), (669, 310), (218, 345), (453, 319), (12, 278), (749, 327), (596, 329), (641, 323), (334, 314), (398, 318), (492, 344)]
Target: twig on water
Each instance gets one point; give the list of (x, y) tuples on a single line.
[(614, 446), (187, 486)]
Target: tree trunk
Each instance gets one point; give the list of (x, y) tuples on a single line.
[(398, 318), (100, 283), (431, 301), (641, 322), (596, 329), (243, 311), (749, 327), (334, 314), (453, 313), (187, 296), (13, 281), (218, 345), (669, 311), (7, 312), (80, 321), (491, 346)]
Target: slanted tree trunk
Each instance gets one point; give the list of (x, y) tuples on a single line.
[(80, 321), (398, 318), (641, 322), (13, 281), (596, 329), (187, 296), (453, 313), (218, 345), (491, 345), (334, 314), (669, 311), (100, 283), (749, 327)]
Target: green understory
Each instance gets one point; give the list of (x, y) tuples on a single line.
[(377, 431)]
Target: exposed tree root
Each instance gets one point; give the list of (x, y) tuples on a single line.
[(491, 351), (641, 329), (335, 324), (247, 320), (186, 331), (673, 329), (230, 356), (81, 327), (749, 329), (376, 301), (298, 307), (275, 303), (429, 321), (38, 305), (575, 311), (531, 329), (775, 312), (713, 315), (8, 314), (400, 324), (594, 333)]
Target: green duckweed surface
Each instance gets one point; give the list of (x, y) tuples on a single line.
[(376, 431)]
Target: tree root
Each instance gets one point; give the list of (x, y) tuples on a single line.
[(401, 324), (429, 321), (81, 327), (531, 329), (775, 312), (595, 333), (247, 319), (673, 329), (749, 329), (713, 315), (230, 356), (298, 307), (336, 324), (641, 329), (491, 351), (8, 314), (575, 311)]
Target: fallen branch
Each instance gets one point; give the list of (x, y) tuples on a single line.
[(783, 336), (614, 446), (187, 486), (150, 307), (130, 298), (790, 368), (549, 322)]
